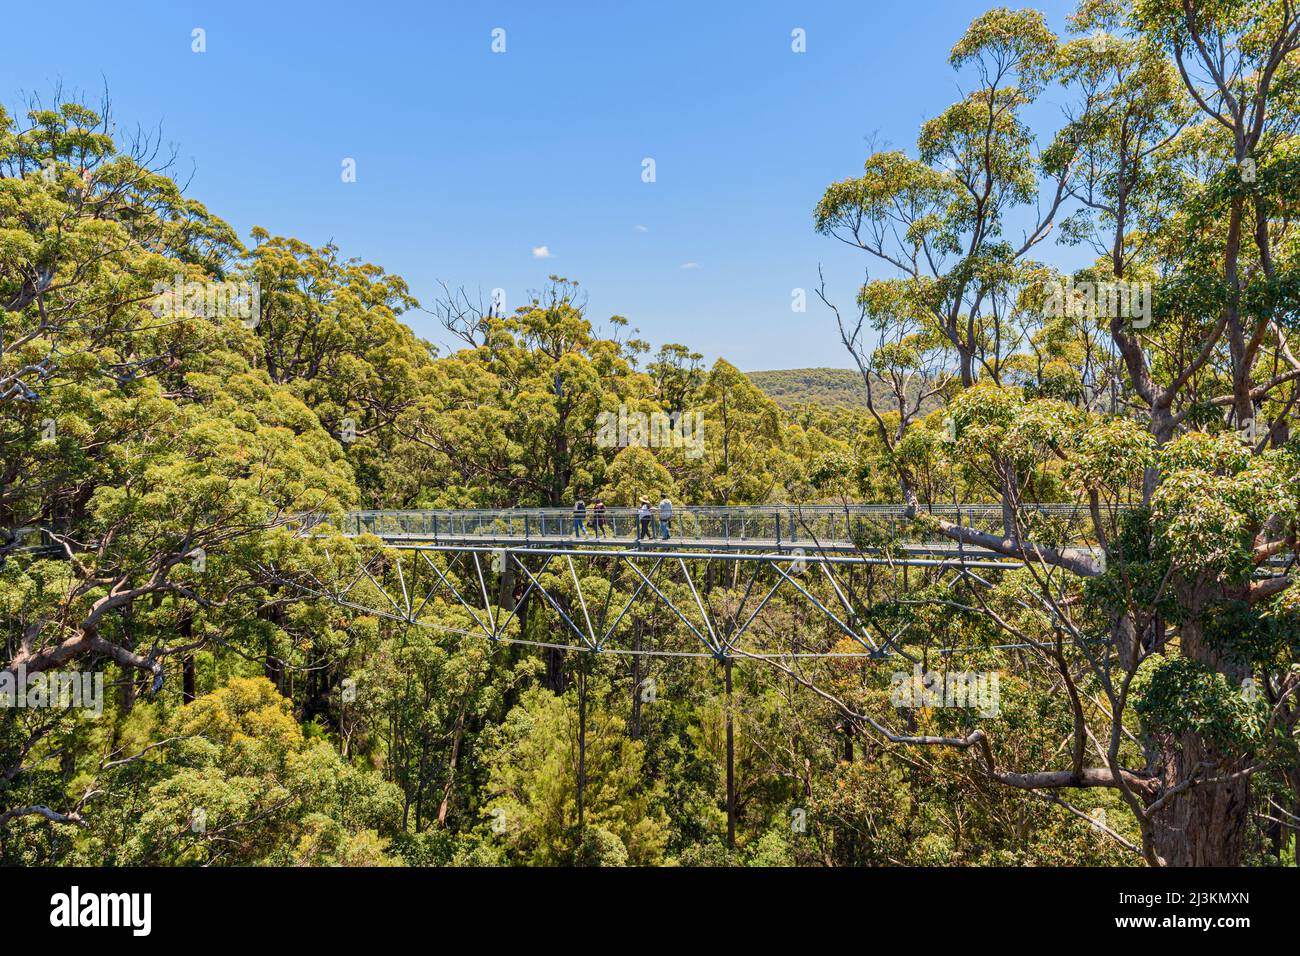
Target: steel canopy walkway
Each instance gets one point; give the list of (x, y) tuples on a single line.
[(714, 582), (778, 583), (851, 533), (716, 574)]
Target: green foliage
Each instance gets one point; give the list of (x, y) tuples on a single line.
[(1177, 696), (241, 785), (533, 774), (837, 388), (160, 458)]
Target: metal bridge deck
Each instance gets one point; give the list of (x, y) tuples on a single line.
[(775, 530), (679, 547), (821, 559)]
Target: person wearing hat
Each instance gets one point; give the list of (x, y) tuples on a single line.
[(643, 517)]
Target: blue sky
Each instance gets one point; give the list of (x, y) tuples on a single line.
[(468, 160)]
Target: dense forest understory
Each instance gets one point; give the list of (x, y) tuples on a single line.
[(173, 399)]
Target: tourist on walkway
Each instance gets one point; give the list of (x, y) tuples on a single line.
[(665, 516), (579, 517), (643, 518), (598, 517)]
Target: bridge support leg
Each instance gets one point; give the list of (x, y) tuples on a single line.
[(582, 743), (506, 591), (635, 728), (731, 763)]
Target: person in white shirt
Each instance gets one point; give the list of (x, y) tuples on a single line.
[(643, 518)]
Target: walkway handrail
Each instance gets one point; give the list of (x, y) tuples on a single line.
[(785, 524)]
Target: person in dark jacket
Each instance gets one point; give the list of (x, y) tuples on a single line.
[(598, 517), (579, 518)]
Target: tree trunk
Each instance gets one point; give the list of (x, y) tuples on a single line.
[(582, 745), (634, 731), (188, 691), (731, 764), (554, 680), (1206, 825), (451, 770)]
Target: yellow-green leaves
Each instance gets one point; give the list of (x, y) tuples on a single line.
[(1003, 41), (987, 419), (1213, 497), (891, 181), (1110, 456)]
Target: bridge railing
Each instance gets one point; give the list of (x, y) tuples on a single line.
[(787, 525)]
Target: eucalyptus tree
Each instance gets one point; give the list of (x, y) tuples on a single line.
[(940, 221), (514, 420), (1170, 641), (150, 463), (328, 330)]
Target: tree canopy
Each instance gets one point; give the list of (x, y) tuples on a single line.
[(174, 400)]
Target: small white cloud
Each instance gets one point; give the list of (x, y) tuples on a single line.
[(641, 228), (541, 252), (690, 265)]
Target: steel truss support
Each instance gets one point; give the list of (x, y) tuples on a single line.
[(664, 578), (400, 584)]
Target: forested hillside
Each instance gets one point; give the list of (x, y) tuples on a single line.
[(176, 397), (819, 386), (827, 387)]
